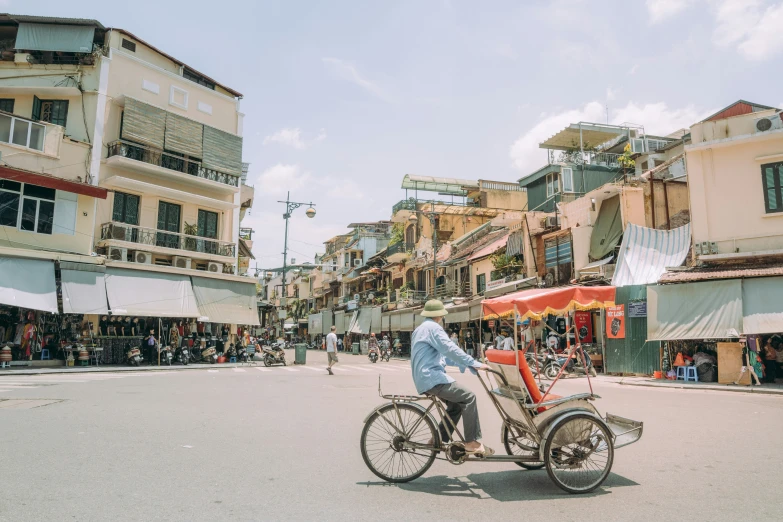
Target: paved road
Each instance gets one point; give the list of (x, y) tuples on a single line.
[(283, 444)]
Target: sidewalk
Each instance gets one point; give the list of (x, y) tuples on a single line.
[(767, 389)]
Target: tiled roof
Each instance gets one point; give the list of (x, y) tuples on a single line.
[(722, 272)]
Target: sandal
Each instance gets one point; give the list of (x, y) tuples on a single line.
[(482, 451)]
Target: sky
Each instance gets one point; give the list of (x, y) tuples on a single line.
[(342, 99)]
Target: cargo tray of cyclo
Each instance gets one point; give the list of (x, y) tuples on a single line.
[(626, 431)]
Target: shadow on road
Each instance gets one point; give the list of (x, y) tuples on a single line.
[(504, 486)]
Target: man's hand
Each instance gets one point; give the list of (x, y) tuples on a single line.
[(484, 367)]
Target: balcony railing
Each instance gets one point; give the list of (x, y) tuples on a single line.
[(162, 238), (405, 204), (169, 161), (453, 290), (575, 157), (246, 234), (400, 248), (411, 296)]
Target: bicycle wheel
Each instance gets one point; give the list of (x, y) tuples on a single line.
[(382, 442), (579, 453), (521, 444)]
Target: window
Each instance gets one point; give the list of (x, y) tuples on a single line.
[(195, 77), (21, 132), (36, 204), (126, 208), (127, 44), (568, 179), (7, 105), (772, 181), (552, 184), (207, 227), (481, 283), (168, 219), (52, 111)]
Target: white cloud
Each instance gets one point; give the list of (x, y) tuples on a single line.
[(657, 118), (765, 38), (321, 135), (633, 69), (660, 10), (350, 73), (611, 94), (280, 178), (753, 26), (289, 137)]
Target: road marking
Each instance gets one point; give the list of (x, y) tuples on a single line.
[(263, 369), (388, 368), (357, 368), (314, 369), (290, 369), (338, 369), (238, 369), (212, 371)]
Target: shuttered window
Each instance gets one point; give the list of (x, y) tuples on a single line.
[(184, 135), (126, 208), (207, 224), (772, 180), (143, 123), (222, 151)]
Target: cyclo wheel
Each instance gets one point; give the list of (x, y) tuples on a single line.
[(381, 442), (579, 453), (512, 444)]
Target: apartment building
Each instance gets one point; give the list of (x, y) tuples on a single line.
[(117, 154)]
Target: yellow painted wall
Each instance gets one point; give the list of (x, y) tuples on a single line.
[(481, 266), (505, 199), (70, 162)]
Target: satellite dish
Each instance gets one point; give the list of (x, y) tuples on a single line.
[(370, 296)]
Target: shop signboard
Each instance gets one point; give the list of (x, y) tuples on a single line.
[(491, 323), (637, 309), (583, 322), (495, 284), (615, 322)]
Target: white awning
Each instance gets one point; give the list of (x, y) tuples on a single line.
[(394, 322), (376, 324), (645, 253), (762, 305), (352, 322), (150, 294), (363, 322), (694, 311), (339, 321), (83, 288), (327, 321), (228, 302), (28, 283)]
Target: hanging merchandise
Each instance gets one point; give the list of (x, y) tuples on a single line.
[(584, 326), (615, 322)]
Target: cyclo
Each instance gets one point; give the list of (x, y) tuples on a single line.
[(567, 435)]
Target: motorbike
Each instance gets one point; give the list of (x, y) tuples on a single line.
[(134, 357), (209, 355), (572, 366), (183, 354), (274, 355), (385, 354), (165, 355), (242, 355), (373, 355)]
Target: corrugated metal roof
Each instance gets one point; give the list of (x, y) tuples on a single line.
[(721, 272), (645, 253), (51, 20)]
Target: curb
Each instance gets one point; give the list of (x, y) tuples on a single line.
[(750, 389)]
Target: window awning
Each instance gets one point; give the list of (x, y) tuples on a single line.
[(490, 249), (227, 302), (363, 322), (53, 182), (449, 186), (28, 283), (694, 311), (762, 305), (608, 229), (53, 37), (83, 288), (150, 294)]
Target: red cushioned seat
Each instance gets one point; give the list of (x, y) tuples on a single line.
[(509, 357)]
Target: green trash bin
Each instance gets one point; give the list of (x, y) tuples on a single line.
[(300, 354), (355, 348)]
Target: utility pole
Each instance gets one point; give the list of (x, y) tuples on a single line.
[(290, 206)]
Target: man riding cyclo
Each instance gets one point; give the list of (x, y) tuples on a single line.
[(431, 352)]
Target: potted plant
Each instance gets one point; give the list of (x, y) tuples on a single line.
[(190, 242)]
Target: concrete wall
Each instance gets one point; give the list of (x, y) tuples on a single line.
[(68, 161), (726, 128), (678, 208), (726, 191), (481, 266), (505, 199), (458, 224)]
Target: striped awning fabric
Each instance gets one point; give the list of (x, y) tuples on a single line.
[(514, 245), (222, 151), (143, 123), (646, 252), (184, 135)]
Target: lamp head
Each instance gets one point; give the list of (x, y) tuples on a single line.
[(310, 212)]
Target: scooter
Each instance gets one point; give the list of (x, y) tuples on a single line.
[(574, 366), (373, 355), (274, 355), (183, 355), (242, 355), (165, 355), (134, 357), (385, 354), (209, 355)]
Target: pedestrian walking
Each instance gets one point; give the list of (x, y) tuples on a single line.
[(331, 349)]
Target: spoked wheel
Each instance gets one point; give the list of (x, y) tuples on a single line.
[(518, 443), (579, 453), (382, 442), (551, 371), (267, 361)]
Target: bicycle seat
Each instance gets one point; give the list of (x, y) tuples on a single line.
[(507, 357)]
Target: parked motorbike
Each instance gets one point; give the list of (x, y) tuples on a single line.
[(274, 355), (373, 355), (183, 354), (242, 355), (386, 354), (573, 366), (134, 357), (165, 355), (209, 355)]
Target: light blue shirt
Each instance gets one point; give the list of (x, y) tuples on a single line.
[(431, 352)]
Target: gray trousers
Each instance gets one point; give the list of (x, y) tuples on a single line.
[(458, 401)]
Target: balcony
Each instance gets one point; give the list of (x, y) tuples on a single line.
[(151, 239), (246, 234), (453, 290), (399, 252), (22, 132), (576, 157), (170, 162), (405, 204)]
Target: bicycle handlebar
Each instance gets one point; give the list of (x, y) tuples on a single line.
[(502, 377)]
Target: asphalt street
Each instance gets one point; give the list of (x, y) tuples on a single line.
[(282, 443)]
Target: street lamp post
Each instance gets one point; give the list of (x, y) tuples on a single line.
[(290, 206)]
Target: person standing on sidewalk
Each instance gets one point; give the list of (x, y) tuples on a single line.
[(331, 349)]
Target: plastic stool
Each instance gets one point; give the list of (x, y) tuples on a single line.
[(45, 354), (687, 373), (232, 360)]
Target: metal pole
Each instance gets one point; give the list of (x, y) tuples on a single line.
[(516, 346), (434, 249), (285, 259)]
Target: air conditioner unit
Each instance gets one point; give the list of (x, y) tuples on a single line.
[(118, 254), (181, 262), (357, 262), (121, 233), (697, 248), (705, 247), (215, 267), (552, 221), (768, 123), (713, 247), (144, 258)]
